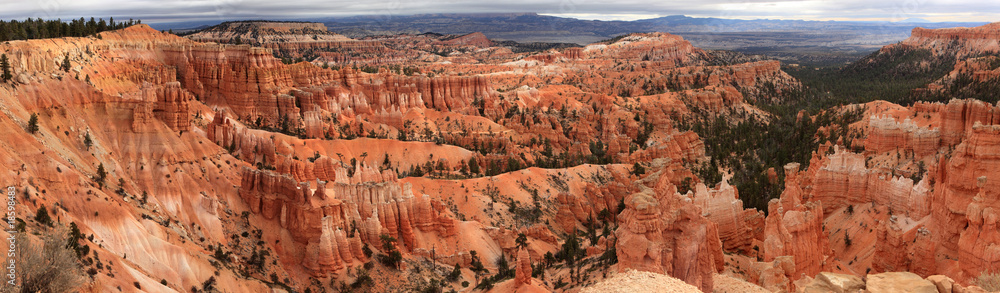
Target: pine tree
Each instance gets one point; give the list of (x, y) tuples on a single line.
[(455, 273), (42, 216), (101, 174), (473, 166), (5, 65), (87, 141), (33, 123), (65, 63), (637, 169)]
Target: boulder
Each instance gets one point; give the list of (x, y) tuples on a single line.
[(899, 282), (832, 282), (944, 284)]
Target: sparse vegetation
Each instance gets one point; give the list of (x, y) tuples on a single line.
[(392, 256), (49, 266), (989, 281)]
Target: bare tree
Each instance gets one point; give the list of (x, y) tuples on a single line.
[(49, 266)]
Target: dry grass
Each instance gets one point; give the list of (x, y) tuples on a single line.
[(48, 266), (989, 281)]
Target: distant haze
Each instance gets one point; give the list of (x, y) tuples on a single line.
[(165, 11)]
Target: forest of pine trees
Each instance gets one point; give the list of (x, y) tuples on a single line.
[(40, 29)]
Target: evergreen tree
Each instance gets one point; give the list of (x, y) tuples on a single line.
[(393, 256), (87, 141), (5, 65), (42, 216), (101, 174), (65, 63), (522, 240), (637, 169), (39, 29), (33, 123), (455, 273), (473, 165)]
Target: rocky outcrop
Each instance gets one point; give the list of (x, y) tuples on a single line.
[(945, 284), (795, 229), (245, 144), (886, 134), (662, 232), (898, 282), (842, 179), (835, 283), (142, 117), (172, 106), (723, 207), (883, 282), (523, 273), (903, 247), (963, 207), (246, 79), (978, 243), (957, 117), (322, 216), (981, 39)]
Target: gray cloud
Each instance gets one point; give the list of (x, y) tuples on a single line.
[(190, 10)]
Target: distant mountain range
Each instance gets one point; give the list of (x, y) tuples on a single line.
[(778, 38), (535, 27), (530, 27)]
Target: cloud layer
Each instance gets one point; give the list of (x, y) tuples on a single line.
[(157, 11)]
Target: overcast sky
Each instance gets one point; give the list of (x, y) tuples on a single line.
[(157, 11)]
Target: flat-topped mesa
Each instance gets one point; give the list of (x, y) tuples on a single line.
[(476, 39), (670, 49), (987, 31), (970, 41), (301, 39), (264, 33)]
